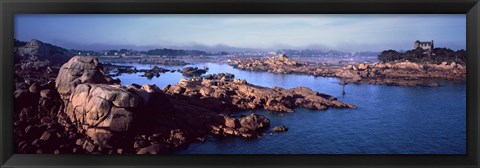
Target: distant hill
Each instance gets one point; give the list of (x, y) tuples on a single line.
[(37, 54)]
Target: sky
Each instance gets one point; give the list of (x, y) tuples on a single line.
[(359, 32)]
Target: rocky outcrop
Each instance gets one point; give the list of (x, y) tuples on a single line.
[(394, 73), (112, 115), (247, 126), (193, 71), (92, 116), (220, 76), (150, 73), (402, 73), (117, 70), (204, 96), (101, 110), (240, 95), (283, 65), (109, 112), (38, 129), (106, 113), (78, 70), (36, 54), (281, 128), (83, 112), (277, 64)]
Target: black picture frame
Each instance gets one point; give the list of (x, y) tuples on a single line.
[(9, 8)]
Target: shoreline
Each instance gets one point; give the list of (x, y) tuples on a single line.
[(396, 73), (149, 120), (391, 74)]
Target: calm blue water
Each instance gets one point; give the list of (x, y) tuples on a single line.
[(388, 120)]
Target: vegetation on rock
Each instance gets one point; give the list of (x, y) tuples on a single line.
[(437, 55)]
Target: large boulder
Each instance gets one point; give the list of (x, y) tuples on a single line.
[(106, 113), (100, 105), (80, 69), (193, 71), (107, 110), (362, 66), (101, 109), (231, 122), (254, 122), (281, 128)]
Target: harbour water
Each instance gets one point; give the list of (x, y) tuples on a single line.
[(387, 120)]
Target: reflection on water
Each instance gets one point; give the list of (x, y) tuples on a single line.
[(388, 120)]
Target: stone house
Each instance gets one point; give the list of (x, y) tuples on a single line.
[(424, 45)]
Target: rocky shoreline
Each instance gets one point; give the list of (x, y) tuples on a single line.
[(83, 110), (395, 73), (239, 95)]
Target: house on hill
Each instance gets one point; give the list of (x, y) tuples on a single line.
[(424, 45)]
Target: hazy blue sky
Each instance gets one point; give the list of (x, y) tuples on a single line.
[(337, 32)]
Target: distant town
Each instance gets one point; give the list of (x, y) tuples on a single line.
[(183, 52)]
